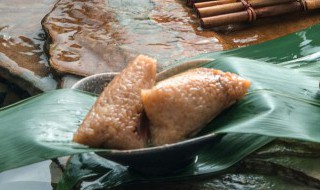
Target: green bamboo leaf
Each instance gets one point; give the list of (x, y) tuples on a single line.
[(38, 128), (298, 51), (277, 104)]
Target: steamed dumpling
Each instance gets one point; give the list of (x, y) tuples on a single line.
[(180, 106)]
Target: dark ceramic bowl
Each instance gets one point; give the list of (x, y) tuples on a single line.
[(94, 83), (153, 160)]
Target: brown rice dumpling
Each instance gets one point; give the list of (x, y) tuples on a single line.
[(112, 122), (177, 107), (180, 106)]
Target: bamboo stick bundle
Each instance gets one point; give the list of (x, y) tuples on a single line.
[(235, 7), (251, 14)]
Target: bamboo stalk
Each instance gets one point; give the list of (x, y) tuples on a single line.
[(313, 4), (190, 3), (242, 16), (235, 7), (212, 3)]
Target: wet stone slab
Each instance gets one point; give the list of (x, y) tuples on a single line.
[(22, 60), (89, 37), (98, 36)]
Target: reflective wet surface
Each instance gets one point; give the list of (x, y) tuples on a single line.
[(102, 36), (270, 28), (35, 177), (22, 59), (98, 36), (162, 29)]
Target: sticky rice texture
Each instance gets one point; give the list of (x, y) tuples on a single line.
[(180, 106), (112, 122)]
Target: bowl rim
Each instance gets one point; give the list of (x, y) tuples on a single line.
[(153, 149), (76, 85)]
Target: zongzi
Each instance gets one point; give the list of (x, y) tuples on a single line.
[(112, 122), (180, 106)]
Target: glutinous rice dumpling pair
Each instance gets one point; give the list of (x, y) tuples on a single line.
[(176, 108)]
